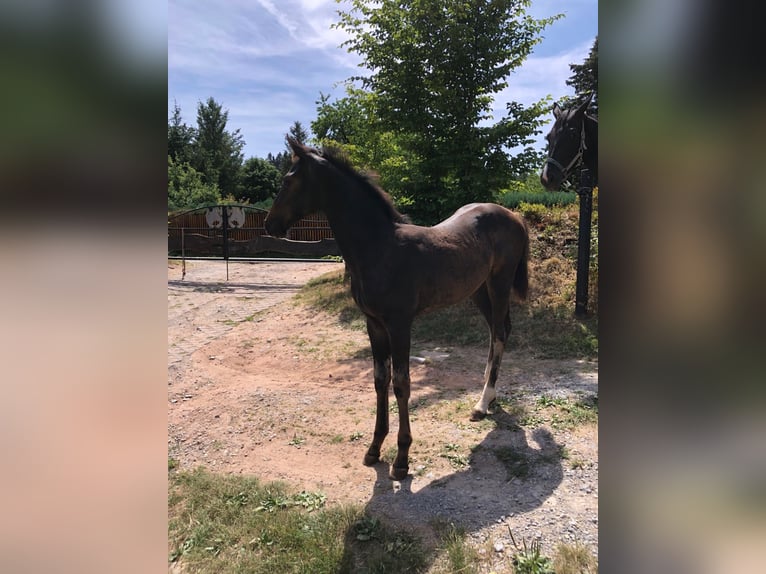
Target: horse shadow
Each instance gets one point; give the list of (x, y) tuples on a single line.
[(505, 478)]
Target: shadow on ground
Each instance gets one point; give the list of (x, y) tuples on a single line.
[(506, 477)]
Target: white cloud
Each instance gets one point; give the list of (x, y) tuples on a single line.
[(543, 75)]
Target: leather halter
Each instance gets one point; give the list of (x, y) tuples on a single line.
[(575, 159)]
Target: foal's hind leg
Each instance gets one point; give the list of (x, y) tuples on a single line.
[(494, 305), (381, 357)]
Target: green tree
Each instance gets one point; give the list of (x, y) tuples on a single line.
[(341, 121), (584, 78), (352, 124), (437, 65), (278, 160), (260, 180), (298, 132), (284, 159), (186, 188), (180, 137), (218, 153)]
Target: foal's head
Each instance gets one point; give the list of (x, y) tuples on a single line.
[(316, 181), (566, 143), (296, 198)]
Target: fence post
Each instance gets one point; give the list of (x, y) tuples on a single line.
[(585, 191), (225, 224), (183, 254)]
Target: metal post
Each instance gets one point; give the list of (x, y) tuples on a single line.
[(183, 254), (225, 224), (585, 191)]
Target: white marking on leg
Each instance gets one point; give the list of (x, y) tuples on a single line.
[(488, 394)]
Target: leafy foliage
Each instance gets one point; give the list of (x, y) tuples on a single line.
[(180, 138), (218, 152), (260, 180), (584, 78), (437, 65), (186, 188)]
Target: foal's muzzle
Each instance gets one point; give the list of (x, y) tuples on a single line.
[(275, 228)]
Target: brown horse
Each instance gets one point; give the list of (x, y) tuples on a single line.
[(399, 270)]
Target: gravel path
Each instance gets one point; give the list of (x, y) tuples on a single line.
[(234, 408), (203, 304)]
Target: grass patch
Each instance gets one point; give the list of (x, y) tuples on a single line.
[(456, 459), (232, 524), (516, 464), (568, 414), (560, 413), (381, 550), (329, 293), (532, 561), (355, 436), (554, 333), (574, 559), (456, 554), (512, 199), (461, 324)]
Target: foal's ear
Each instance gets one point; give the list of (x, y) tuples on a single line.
[(299, 150), (556, 111)]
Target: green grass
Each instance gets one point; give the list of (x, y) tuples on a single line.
[(512, 199), (559, 413), (456, 554), (531, 560), (457, 460), (239, 524), (569, 414), (330, 294), (461, 324), (515, 463), (226, 524)]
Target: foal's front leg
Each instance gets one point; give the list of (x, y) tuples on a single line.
[(400, 354), (381, 357)]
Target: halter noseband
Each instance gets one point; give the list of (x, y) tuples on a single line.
[(575, 159)]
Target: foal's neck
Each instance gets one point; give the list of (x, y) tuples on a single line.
[(359, 223)]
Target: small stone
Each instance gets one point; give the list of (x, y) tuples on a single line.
[(499, 547)]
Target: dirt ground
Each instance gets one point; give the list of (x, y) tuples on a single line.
[(260, 385)]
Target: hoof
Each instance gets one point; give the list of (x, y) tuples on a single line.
[(399, 473), (478, 415), (371, 460)]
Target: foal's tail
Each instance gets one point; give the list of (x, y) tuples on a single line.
[(521, 278)]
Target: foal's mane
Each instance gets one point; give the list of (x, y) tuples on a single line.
[(366, 182)]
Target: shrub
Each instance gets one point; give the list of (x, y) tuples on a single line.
[(532, 212)]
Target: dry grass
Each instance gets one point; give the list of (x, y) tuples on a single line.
[(543, 326)]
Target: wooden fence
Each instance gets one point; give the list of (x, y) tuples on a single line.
[(238, 231)]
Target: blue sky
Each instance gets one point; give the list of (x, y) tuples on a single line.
[(267, 61)]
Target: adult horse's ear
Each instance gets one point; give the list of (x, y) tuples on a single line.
[(583, 107), (556, 111)]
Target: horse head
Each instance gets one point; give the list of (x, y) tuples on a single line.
[(296, 198), (566, 144)]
